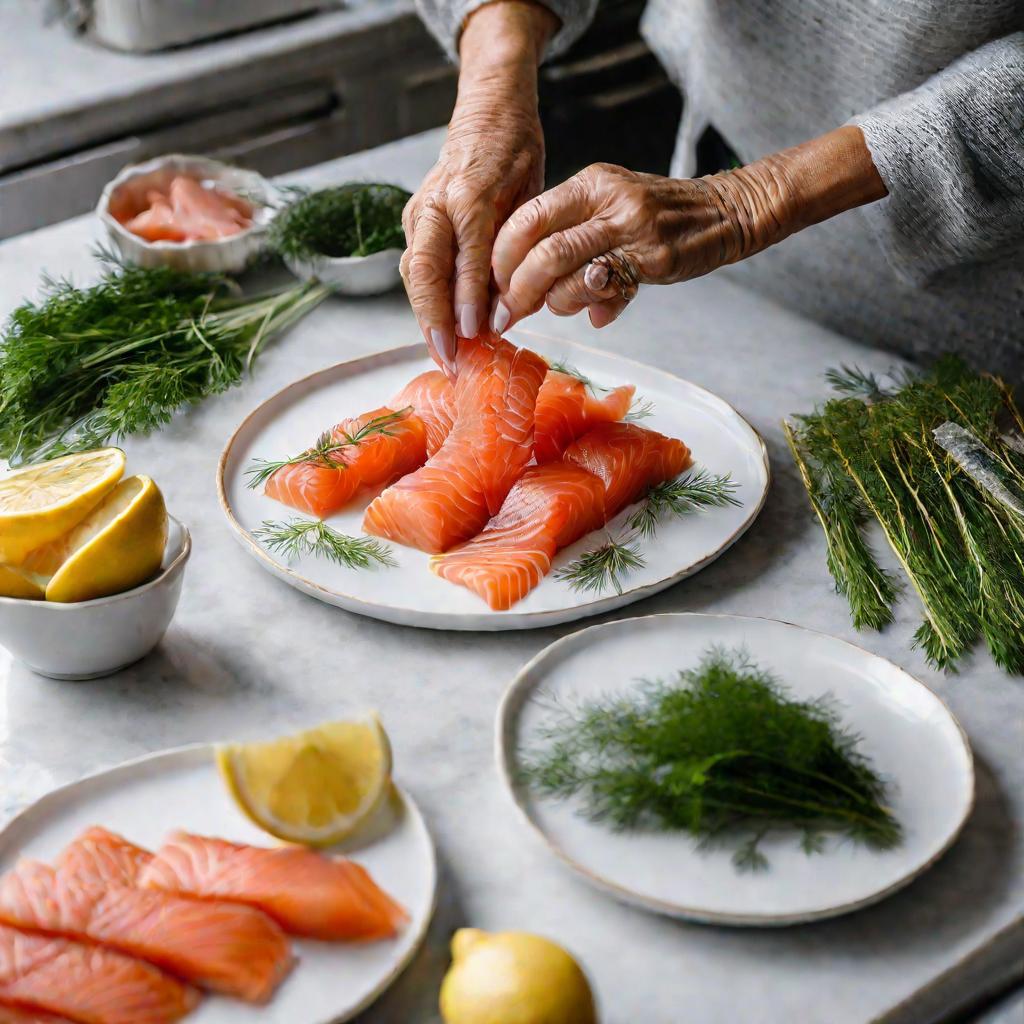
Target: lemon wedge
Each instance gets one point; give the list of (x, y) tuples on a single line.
[(118, 545), (40, 503), (316, 788), (17, 581)]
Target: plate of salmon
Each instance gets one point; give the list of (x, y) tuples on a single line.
[(142, 896), (545, 483)]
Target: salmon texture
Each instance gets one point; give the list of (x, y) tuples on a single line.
[(432, 399), (305, 892), (219, 946), (10, 1015), (628, 460), (89, 984), (549, 508), (451, 498), (325, 485), (188, 211), (102, 856)]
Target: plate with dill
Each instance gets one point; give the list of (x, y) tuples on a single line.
[(731, 770), (548, 482)]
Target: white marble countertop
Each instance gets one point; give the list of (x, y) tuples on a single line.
[(249, 657)]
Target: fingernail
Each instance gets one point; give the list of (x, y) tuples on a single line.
[(600, 316), (500, 318), (595, 277), (469, 320), (443, 344)]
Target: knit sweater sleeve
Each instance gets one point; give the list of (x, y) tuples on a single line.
[(951, 154), (445, 19)]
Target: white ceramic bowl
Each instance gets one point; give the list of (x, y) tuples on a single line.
[(87, 639), (226, 255), (352, 275)]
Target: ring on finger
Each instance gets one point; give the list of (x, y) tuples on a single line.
[(612, 269)]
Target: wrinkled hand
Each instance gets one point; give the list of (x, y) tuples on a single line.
[(491, 162), (646, 229)]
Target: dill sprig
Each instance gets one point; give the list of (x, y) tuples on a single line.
[(871, 455), (692, 491), (603, 567), (84, 365), (298, 537), (720, 751), (354, 219), (641, 409), (329, 449), (561, 366)]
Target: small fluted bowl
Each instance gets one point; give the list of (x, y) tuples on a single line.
[(223, 255), (88, 639)]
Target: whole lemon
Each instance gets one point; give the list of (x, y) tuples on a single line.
[(513, 978)]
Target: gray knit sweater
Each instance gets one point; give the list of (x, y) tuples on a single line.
[(937, 87)]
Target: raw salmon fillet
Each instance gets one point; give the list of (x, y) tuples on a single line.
[(628, 459), (89, 984), (103, 856), (307, 893), (451, 498), (11, 1015), (223, 947), (567, 407), (190, 212), (323, 488), (550, 507)]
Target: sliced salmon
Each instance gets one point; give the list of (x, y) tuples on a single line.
[(550, 507), (188, 211), (323, 486), (223, 947), (451, 498), (307, 893), (432, 399), (101, 856), (89, 984), (12, 1015), (568, 407), (628, 459)]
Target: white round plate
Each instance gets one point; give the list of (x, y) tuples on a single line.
[(411, 594), (145, 799), (907, 732)]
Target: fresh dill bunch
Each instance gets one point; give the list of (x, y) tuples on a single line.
[(722, 752), (298, 537), (82, 366), (330, 448), (603, 567), (354, 219), (691, 491)]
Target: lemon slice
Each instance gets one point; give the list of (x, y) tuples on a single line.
[(119, 545), (17, 581), (317, 787), (41, 502)]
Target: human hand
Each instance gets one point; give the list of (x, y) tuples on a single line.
[(589, 242)]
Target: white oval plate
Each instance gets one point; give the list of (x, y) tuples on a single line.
[(411, 594), (145, 799), (906, 730)]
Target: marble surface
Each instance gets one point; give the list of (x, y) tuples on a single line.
[(248, 657)]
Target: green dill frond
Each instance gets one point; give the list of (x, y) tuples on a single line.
[(597, 570), (641, 409), (299, 537), (692, 491), (561, 366)]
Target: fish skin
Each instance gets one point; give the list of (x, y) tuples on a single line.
[(87, 983), (628, 459), (307, 893), (450, 499), (550, 507), (223, 947), (377, 460)]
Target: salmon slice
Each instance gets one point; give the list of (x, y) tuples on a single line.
[(550, 507), (323, 486), (103, 857), (305, 892), (89, 984), (223, 947), (432, 399), (12, 1015), (158, 223), (206, 214), (568, 407), (451, 498), (628, 459)]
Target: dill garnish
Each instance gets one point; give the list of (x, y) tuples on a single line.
[(329, 449), (561, 366), (720, 751), (641, 409), (85, 365), (603, 567), (298, 537)]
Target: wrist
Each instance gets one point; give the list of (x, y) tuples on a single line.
[(509, 36)]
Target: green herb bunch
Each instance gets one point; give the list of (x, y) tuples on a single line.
[(870, 455), (354, 219), (85, 365), (721, 752)]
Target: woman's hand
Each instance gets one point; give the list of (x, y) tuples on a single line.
[(492, 162), (588, 243)]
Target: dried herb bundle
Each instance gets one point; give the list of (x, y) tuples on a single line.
[(721, 752), (872, 455)]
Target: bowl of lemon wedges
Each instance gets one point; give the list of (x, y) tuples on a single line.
[(91, 565)]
